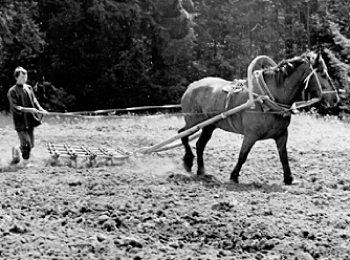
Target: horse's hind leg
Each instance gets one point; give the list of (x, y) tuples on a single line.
[(281, 143), (189, 156), (248, 142), (200, 146)]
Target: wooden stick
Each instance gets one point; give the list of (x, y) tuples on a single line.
[(195, 128), (168, 147)]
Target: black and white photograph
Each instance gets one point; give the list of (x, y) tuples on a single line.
[(174, 129)]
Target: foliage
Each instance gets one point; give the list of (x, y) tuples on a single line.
[(339, 63), (119, 53), (21, 41)]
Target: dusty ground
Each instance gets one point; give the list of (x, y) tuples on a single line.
[(150, 208)]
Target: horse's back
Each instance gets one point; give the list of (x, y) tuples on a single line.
[(209, 97), (204, 95)]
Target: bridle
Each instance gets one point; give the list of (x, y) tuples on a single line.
[(307, 80), (269, 98)]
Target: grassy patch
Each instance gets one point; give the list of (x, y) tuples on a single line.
[(5, 120)]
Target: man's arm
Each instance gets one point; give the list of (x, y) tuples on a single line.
[(36, 102), (29, 90), (12, 97), (37, 105)]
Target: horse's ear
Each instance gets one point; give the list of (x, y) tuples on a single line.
[(318, 58), (320, 63), (312, 57)]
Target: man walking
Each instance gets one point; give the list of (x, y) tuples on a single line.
[(24, 108)]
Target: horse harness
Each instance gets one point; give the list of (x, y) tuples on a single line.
[(234, 87), (268, 100)]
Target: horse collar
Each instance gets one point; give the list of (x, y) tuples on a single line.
[(262, 84)]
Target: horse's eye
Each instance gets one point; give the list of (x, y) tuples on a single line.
[(322, 72)]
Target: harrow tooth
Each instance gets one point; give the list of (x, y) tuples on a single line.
[(53, 152)]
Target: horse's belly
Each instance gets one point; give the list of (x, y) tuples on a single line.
[(264, 125), (231, 124)]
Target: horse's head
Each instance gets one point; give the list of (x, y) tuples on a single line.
[(306, 72), (326, 92)]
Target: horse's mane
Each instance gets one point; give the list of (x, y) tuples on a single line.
[(286, 67)]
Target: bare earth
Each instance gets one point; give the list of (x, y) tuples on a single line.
[(150, 208)]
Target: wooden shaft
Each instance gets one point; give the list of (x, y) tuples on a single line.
[(196, 128), (168, 147)]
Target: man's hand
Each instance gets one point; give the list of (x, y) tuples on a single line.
[(28, 109), (32, 110), (43, 111)]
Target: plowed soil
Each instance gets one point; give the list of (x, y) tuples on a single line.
[(150, 208)]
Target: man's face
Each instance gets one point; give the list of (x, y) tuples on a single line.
[(22, 77)]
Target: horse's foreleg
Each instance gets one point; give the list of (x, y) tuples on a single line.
[(200, 146), (248, 142), (189, 156), (281, 142)]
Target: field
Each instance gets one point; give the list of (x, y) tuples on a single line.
[(150, 208)]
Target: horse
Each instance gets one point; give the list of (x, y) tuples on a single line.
[(268, 119)]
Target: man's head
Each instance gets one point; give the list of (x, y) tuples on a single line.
[(20, 75)]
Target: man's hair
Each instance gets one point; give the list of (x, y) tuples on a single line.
[(18, 71)]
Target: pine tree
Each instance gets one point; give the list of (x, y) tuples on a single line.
[(175, 26), (21, 42), (172, 38), (340, 65)]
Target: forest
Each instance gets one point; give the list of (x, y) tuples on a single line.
[(102, 54)]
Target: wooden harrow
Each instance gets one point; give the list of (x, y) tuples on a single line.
[(90, 153)]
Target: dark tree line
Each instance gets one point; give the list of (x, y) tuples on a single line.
[(120, 53)]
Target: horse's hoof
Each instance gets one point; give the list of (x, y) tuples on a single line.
[(288, 181), (200, 172), (188, 163), (234, 179), (187, 168)]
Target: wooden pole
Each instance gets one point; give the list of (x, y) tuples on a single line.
[(147, 150), (168, 147)]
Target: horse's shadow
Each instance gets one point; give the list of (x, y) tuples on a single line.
[(211, 181), (253, 186), (207, 180)]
